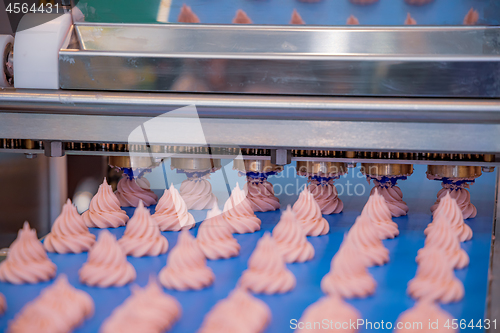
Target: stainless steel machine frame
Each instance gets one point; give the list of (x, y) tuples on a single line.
[(349, 61)]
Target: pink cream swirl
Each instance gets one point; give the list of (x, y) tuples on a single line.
[(130, 191), (107, 264), (241, 18), (71, 304), (104, 210), (142, 235), (260, 193), (238, 213), (267, 272), (3, 304), (69, 233), (442, 237), (186, 266), (410, 20), (309, 214), (197, 193), (425, 311), (326, 196), (348, 276), (436, 280), (449, 208), (365, 238), (380, 215), (239, 309), (291, 238), (334, 309), (393, 197), (215, 238), (148, 309), (187, 16), (462, 196), (296, 18), (59, 308), (27, 261), (171, 213), (471, 17)]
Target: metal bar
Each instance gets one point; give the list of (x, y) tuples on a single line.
[(252, 107)]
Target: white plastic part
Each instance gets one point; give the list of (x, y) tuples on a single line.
[(4, 41), (36, 53)]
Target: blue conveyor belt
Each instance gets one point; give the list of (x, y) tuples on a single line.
[(388, 302)]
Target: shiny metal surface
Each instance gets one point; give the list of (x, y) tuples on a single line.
[(195, 163), (457, 171), (313, 134), (254, 165), (354, 61), (321, 168), (383, 169)]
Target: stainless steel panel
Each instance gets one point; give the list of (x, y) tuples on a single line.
[(340, 135), (360, 61)]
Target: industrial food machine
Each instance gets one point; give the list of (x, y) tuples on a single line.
[(329, 100)]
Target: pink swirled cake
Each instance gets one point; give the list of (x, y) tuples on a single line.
[(186, 266), (131, 191), (197, 193), (462, 196), (448, 207), (296, 18), (238, 213), (171, 212), (148, 309), (3, 304), (107, 264), (239, 312), (267, 272), (104, 210), (365, 238), (352, 20), (348, 276), (59, 308), (333, 309), (241, 18), (291, 238), (69, 234), (215, 238), (260, 193), (326, 196), (436, 280), (308, 213), (187, 16), (393, 197), (27, 261), (410, 20), (471, 17), (377, 210), (425, 311), (443, 238), (142, 236)]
